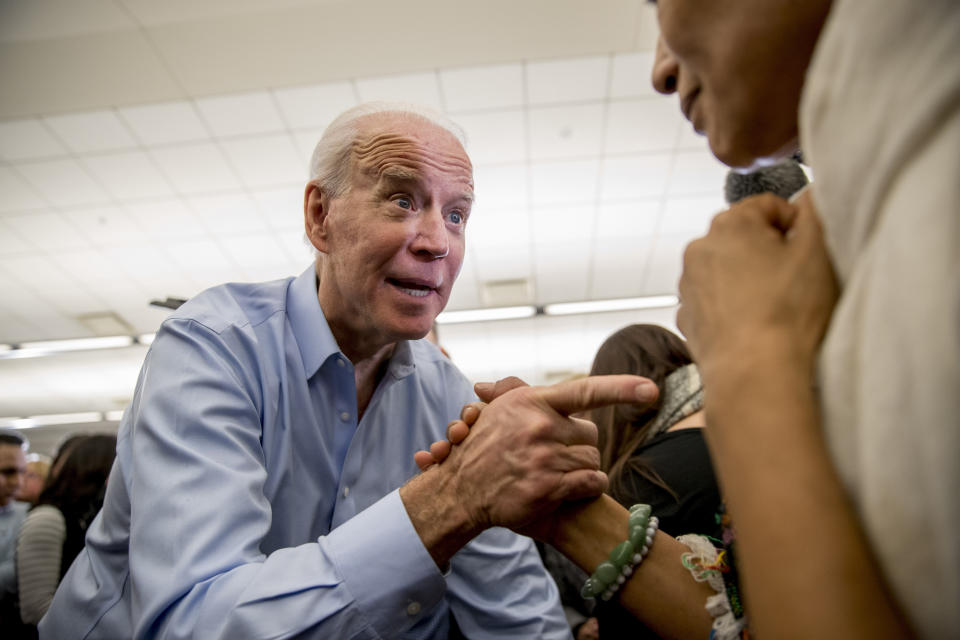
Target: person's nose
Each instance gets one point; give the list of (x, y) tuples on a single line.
[(665, 69), (432, 240)]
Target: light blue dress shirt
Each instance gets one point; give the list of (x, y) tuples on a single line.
[(247, 502)]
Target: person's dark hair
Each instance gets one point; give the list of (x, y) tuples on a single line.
[(640, 349), (9, 437), (78, 486)]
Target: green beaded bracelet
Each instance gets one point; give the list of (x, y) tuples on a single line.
[(613, 572)]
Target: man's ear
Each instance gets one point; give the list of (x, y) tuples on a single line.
[(316, 206)]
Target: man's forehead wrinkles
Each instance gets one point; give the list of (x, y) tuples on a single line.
[(377, 151)]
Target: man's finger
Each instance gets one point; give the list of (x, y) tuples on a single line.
[(575, 396), (488, 391), (457, 431), (423, 459)]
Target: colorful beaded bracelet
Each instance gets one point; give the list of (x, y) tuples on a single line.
[(625, 557)]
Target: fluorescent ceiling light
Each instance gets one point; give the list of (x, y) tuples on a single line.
[(146, 338), (47, 347), (113, 416), (52, 419), (484, 315), (618, 304)]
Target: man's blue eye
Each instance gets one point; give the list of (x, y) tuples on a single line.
[(405, 203), (456, 217)]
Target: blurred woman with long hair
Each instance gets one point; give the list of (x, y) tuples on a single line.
[(53, 533)]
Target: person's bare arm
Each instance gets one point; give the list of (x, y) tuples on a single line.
[(757, 293), (661, 592)]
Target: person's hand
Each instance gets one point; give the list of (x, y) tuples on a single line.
[(589, 630), (457, 430), (760, 281), (524, 455)]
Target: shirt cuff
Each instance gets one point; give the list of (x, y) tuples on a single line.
[(385, 566)]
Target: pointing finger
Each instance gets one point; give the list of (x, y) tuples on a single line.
[(575, 396)]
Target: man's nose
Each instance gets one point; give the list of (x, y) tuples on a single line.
[(665, 69), (432, 239)]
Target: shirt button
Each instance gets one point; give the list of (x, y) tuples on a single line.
[(346, 491), (413, 608), (344, 416)]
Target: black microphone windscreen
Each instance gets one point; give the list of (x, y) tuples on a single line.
[(783, 179)]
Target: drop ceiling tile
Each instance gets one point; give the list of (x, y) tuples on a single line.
[(562, 271), (266, 161), (635, 176), (478, 88), (47, 231), (418, 88), (627, 221), (567, 225), (227, 213), (128, 175), (316, 106), (618, 266), (690, 216), (495, 137), (630, 75), (566, 182), (93, 269), (26, 140), (107, 226), (91, 131), (305, 141), (74, 301), (167, 220), (16, 194), (142, 264), (282, 208), (240, 114), (122, 292), (465, 295), (200, 256), (690, 139), (566, 131), (572, 80), (35, 271), (504, 263), (642, 124), (295, 245), (11, 242), (165, 123), (666, 264), (499, 228), (501, 187), (697, 173), (196, 168), (253, 251), (63, 182)]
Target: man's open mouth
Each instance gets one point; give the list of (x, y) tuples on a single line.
[(410, 287)]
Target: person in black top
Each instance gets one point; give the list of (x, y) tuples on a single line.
[(657, 454)]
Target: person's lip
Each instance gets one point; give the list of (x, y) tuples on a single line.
[(686, 104), (414, 284)]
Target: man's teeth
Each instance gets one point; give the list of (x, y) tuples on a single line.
[(417, 293)]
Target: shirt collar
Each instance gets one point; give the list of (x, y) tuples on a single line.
[(313, 335), (310, 328)]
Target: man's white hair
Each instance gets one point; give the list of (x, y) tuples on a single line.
[(330, 164)]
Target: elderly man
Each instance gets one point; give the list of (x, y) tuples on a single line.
[(255, 493), (13, 464)]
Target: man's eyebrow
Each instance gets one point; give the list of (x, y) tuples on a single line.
[(398, 174)]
